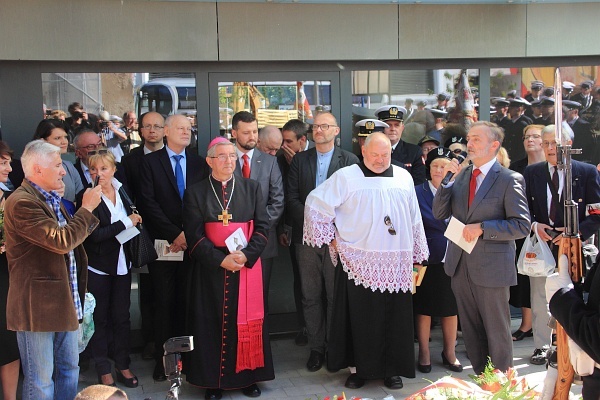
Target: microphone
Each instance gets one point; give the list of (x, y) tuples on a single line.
[(461, 158)]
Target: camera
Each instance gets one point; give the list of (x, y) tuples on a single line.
[(103, 124), (172, 361), (78, 115)]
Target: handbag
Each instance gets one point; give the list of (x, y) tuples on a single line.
[(86, 328), (535, 258), (140, 248)]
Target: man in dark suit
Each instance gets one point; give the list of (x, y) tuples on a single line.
[(164, 176), (513, 128), (152, 131), (548, 218), (409, 155), (585, 98), (295, 140), (263, 168), (490, 200), (582, 130), (309, 169)]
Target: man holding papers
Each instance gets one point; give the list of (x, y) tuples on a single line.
[(490, 200), (222, 213)]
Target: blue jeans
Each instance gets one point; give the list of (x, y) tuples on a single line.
[(49, 361)]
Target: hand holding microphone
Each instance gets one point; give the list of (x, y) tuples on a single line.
[(453, 167)]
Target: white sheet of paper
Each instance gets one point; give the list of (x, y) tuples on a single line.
[(236, 241), (454, 233), (162, 249), (127, 234)]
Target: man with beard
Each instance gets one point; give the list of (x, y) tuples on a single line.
[(490, 200), (308, 170), (264, 169), (372, 324), (227, 310)]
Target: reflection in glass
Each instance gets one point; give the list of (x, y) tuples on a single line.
[(273, 103)]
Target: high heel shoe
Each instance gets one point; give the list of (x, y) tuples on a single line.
[(424, 368), (129, 382), (106, 384), (452, 367), (520, 335)]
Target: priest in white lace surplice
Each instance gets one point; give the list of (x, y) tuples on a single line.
[(369, 214)]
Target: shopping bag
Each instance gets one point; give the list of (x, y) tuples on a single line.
[(86, 328), (536, 258)]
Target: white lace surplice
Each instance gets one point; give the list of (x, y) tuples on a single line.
[(351, 208)]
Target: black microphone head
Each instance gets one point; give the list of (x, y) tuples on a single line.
[(462, 157)]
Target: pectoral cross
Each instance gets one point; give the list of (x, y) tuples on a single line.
[(225, 217)]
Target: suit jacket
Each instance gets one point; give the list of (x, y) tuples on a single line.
[(101, 246), (39, 295), (513, 136), (584, 140), (586, 191), (265, 170), (501, 205), (409, 157), (132, 164), (159, 201), (302, 180), (434, 228)]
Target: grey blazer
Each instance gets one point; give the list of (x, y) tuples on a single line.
[(265, 170), (500, 203)]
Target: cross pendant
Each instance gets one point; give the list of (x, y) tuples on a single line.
[(225, 217)]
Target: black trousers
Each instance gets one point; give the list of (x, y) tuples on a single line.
[(171, 281), (111, 320), (147, 308), (297, 287)]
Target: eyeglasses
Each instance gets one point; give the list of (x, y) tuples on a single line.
[(546, 143), (94, 152), (388, 222), (527, 137), (324, 127), (224, 157), (457, 151), (156, 127), (91, 147)]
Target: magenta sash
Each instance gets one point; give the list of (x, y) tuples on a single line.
[(251, 311)]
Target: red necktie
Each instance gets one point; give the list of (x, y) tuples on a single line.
[(246, 167), (473, 184)]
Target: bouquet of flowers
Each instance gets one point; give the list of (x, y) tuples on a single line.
[(492, 384)]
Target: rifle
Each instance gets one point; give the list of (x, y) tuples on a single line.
[(570, 242)]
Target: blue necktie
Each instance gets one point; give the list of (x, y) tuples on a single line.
[(179, 175)]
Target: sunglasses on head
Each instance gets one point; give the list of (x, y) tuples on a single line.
[(94, 152)]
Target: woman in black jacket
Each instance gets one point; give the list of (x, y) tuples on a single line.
[(109, 273)]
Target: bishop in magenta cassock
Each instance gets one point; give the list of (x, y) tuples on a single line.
[(227, 312)]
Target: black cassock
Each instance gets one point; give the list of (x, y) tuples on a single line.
[(214, 292)]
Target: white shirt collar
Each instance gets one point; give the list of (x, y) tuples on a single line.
[(485, 168)]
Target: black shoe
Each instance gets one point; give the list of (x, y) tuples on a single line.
[(106, 384), (251, 391), (539, 356), (213, 394), (301, 338), (159, 373), (452, 367), (315, 361), (129, 382), (393, 382), (520, 335), (424, 368), (354, 382)]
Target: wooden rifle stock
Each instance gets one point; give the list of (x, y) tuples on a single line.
[(571, 247)]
